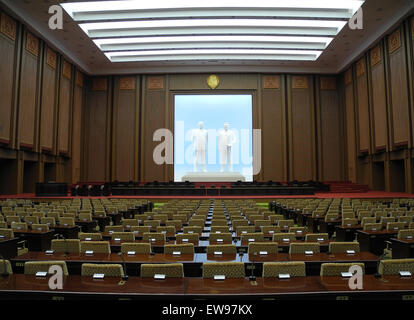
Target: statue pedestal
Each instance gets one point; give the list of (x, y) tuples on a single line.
[(213, 177)]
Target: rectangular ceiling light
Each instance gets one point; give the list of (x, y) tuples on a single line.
[(119, 10), (213, 26), (212, 54), (224, 41)]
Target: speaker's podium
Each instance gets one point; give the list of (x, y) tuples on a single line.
[(213, 177), (51, 189)]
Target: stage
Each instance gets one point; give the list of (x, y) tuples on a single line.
[(213, 177)]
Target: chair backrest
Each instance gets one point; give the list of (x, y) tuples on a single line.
[(224, 248), (335, 269), (257, 247), (219, 222), (348, 222), (270, 229), (219, 229), (95, 246), (127, 223), (66, 245), (253, 237), (315, 237), (186, 248), (194, 229), (139, 230), (50, 221), (225, 236), (372, 227), (67, 221), (114, 228), (170, 270), (302, 247), (157, 236), (123, 236), (6, 233), (109, 270), (31, 220), (228, 269), (342, 247), (406, 234), (366, 220), (394, 266), (32, 267), (139, 248), (166, 229), (91, 236), (40, 227), (395, 226), (273, 269), (286, 223), (187, 237), (279, 237), (196, 222), (5, 265), (13, 219), (19, 226)]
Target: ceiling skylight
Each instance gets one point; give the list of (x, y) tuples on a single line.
[(218, 29)]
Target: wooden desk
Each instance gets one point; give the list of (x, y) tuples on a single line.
[(102, 222), (329, 226), (116, 218), (8, 247), (20, 286), (346, 233), (87, 226), (69, 232), (402, 248), (36, 240), (313, 224), (374, 241)]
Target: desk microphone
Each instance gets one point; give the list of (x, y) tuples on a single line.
[(125, 276), (252, 276), (377, 274), (4, 274), (66, 244)]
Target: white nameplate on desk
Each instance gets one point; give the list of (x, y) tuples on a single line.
[(286, 240), (350, 251), (19, 228), (136, 232), (218, 231), (244, 232), (299, 231), (218, 253), (111, 232), (176, 253), (152, 240), (332, 219), (346, 274), (65, 224), (190, 231), (184, 240), (88, 239), (374, 229), (98, 276), (219, 277), (309, 252), (159, 276), (164, 232), (263, 253), (131, 253), (321, 239), (271, 231), (1, 237), (117, 239), (128, 226), (89, 252), (219, 240), (348, 225), (251, 240), (409, 237), (49, 251), (405, 273), (284, 276), (41, 274)]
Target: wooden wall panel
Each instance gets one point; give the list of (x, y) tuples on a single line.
[(7, 67), (301, 131), (125, 125), (153, 118), (47, 111), (77, 133), (350, 129), (96, 137), (363, 108), (64, 108), (274, 158), (399, 97), (330, 132), (379, 99), (28, 92)]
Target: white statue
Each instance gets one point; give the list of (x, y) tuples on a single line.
[(226, 139), (199, 138)]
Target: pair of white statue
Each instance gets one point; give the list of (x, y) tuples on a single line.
[(226, 139)]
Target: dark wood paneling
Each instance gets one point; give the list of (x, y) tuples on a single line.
[(350, 130), (273, 134), (363, 108), (27, 95), (64, 114), (330, 128), (96, 123), (379, 100), (76, 133), (398, 90), (125, 108), (7, 67), (301, 132), (47, 112)]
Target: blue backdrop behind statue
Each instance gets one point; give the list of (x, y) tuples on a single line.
[(214, 110)]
